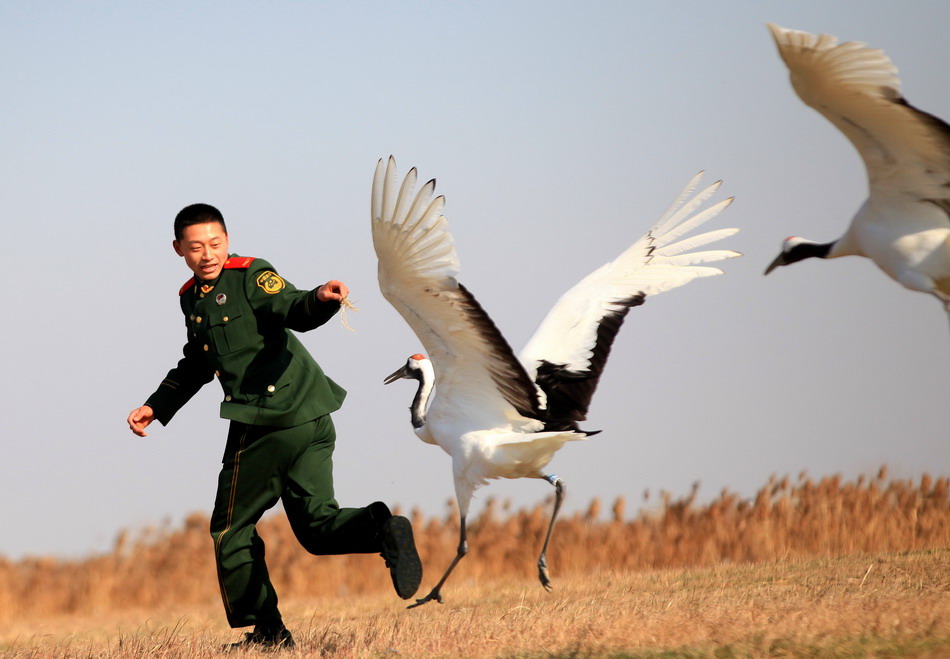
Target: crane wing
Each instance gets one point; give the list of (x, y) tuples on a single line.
[(857, 89), (417, 271), (567, 352)]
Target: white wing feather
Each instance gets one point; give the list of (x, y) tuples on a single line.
[(857, 89), (417, 273), (653, 264), (473, 364)]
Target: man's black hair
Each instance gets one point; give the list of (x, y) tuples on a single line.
[(197, 214)]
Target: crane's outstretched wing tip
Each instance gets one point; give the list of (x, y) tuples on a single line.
[(728, 254), (794, 43), (779, 33), (785, 34)]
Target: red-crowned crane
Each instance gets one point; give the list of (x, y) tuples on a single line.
[(904, 225), (495, 414)]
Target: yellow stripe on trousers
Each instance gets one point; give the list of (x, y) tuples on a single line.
[(227, 527)]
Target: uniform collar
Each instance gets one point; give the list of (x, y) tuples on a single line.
[(202, 286), (206, 287)]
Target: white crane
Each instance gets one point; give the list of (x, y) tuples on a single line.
[(904, 225), (495, 414)]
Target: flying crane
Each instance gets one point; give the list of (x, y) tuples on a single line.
[(904, 225), (496, 414)]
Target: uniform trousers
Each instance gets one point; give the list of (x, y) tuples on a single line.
[(294, 465)]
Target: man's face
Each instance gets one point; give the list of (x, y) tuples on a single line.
[(204, 248)]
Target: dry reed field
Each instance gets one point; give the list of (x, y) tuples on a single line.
[(805, 568)]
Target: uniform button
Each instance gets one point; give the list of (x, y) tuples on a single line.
[(205, 347), (271, 388), (198, 319), (225, 319), (218, 373), (227, 398), (192, 316)]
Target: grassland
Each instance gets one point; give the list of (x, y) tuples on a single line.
[(827, 568)]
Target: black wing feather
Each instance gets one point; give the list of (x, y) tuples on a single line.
[(506, 371), (569, 392)]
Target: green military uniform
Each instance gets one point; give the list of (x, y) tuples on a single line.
[(281, 437)]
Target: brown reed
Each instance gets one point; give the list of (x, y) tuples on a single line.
[(173, 567)]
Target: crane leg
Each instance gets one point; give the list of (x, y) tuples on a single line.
[(559, 490), (435, 593)]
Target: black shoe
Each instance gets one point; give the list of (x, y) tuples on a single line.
[(261, 640), (399, 550)]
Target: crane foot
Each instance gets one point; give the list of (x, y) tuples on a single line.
[(434, 595)]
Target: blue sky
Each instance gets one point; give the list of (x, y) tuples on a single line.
[(558, 132)]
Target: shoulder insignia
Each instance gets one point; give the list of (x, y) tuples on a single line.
[(238, 262), (270, 282), (188, 284)]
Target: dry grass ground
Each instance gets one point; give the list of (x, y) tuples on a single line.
[(882, 605), (827, 568)]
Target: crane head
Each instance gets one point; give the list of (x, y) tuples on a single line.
[(411, 370), (793, 249)]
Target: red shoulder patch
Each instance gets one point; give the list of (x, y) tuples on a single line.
[(188, 284), (238, 262)]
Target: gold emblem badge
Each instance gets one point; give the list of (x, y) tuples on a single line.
[(270, 282)]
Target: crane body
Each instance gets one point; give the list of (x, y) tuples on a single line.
[(498, 414)]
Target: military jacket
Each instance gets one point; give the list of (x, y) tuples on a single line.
[(239, 331)]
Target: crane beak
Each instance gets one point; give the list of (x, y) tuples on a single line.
[(779, 260), (399, 374)]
